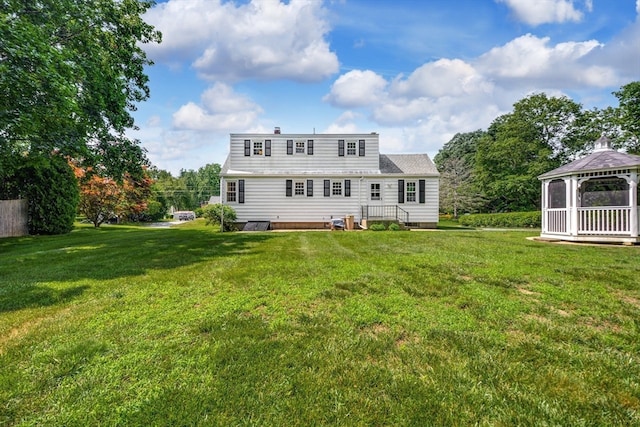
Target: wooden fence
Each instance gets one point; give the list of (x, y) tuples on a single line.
[(13, 218)]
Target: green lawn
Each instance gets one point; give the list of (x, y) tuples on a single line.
[(188, 326)]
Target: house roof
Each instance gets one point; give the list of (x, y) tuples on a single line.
[(408, 164), (603, 158)]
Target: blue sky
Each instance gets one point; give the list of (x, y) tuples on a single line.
[(415, 71)]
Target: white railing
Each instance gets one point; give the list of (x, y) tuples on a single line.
[(557, 221), (604, 220)]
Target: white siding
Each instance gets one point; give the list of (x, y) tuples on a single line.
[(324, 158), (265, 199)]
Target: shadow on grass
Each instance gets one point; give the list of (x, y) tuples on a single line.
[(28, 263), (34, 296)]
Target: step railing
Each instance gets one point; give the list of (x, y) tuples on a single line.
[(384, 212)]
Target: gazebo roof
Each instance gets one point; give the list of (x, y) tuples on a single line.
[(602, 158)]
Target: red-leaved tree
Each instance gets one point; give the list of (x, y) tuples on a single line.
[(103, 198)]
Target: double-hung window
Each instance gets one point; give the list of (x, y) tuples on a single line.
[(411, 191), (336, 188), (351, 148), (299, 188), (257, 148), (299, 147), (375, 191), (232, 191)]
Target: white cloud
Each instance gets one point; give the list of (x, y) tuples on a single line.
[(638, 6), (221, 109), (546, 11), (529, 59), (263, 39), (356, 88), (346, 123), (444, 77), (447, 96)]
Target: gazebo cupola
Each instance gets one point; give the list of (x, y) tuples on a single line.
[(593, 199)]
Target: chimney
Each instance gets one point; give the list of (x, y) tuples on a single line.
[(276, 130)]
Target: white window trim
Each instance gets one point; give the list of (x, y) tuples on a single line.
[(348, 149), (379, 191), (414, 192), (258, 150), (234, 192), (337, 185), (295, 188)]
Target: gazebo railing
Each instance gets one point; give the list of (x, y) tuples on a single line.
[(604, 220), (557, 221)]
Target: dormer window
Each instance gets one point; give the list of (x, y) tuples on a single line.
[(257, 148), (351, 148), (299, 147)]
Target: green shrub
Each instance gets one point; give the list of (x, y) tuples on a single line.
[(378, 226), (503, 220), (52, 191), (220, 214), (394, 227)]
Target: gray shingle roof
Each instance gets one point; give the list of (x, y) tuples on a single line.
[(599, 160), (410, 164)]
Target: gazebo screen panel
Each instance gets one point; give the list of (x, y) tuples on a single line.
[(604, 192), (557, 194)]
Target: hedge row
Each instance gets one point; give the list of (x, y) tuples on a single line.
[(503, 220)]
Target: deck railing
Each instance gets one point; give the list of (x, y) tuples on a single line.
[(604, 220), (385, 212)]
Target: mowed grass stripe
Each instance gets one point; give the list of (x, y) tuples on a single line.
[(188, 326)]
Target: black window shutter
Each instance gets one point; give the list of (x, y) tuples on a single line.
[(241, 191), (421, 191), (401, 191), (309, 188), (247, 147), (347, 188), (289, 188), (289, 147), (361, 147), (341, 147), (267, 147), (327, 188), (310, 147)]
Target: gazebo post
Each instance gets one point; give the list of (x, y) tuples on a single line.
[(573, 187), (633, 203), (543, 205)]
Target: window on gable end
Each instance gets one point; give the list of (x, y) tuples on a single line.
[(232, 191), (411, 191)]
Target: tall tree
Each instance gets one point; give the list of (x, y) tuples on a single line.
[(629, 115), (455, 162), (71, 72), (540, 134), (458, 192)]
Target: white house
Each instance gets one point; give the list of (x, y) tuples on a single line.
[(306, 180)]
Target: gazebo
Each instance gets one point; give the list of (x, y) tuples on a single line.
[(592, 199)]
